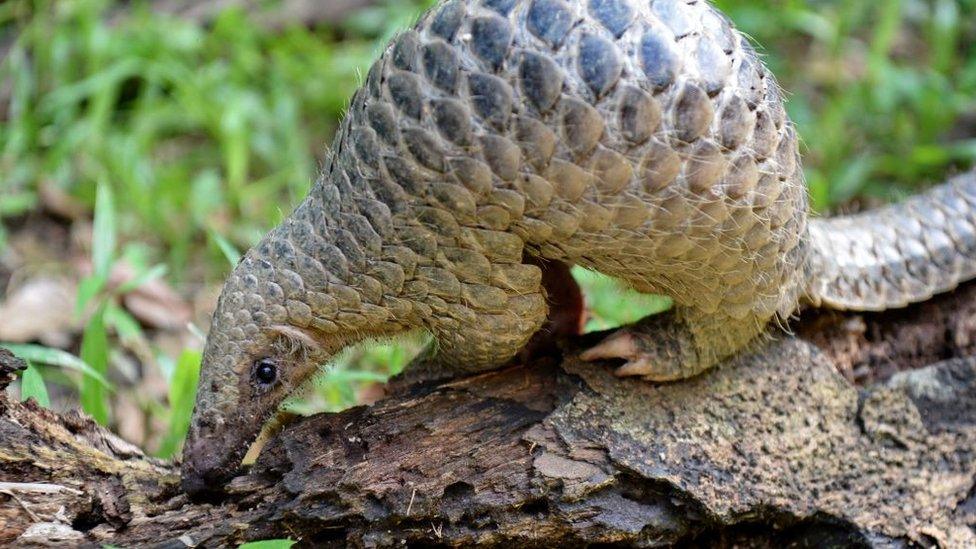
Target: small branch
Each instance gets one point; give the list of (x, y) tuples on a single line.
[(36, 488), (23, 505)]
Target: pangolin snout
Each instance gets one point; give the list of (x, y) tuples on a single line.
[(208, 464)]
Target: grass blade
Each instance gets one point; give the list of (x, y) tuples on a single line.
[(228, 249), (32, 386), (94, 351), (88, 289), (56, 357), (103, 231), (182, 393), (155, 272), (125, 325)]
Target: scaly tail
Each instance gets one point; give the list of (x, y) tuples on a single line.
[(896, 255)]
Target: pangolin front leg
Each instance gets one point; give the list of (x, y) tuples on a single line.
[(546, 307)]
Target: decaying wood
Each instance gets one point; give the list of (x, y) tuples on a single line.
[(779, 448)]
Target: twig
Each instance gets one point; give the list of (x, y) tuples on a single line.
[(37, 488), (410, 505), (23, 505)]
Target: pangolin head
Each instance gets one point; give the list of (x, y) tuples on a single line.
[(261, 346)]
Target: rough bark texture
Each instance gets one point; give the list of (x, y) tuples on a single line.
[(776, 449)]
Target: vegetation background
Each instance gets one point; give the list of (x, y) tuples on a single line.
[(141, 151)]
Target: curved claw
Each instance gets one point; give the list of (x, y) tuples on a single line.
[(668, 347), (620, 344), (645, 349), (639, 367)]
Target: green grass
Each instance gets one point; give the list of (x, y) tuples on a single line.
[(883, 93), (198, 131), (186, 142)]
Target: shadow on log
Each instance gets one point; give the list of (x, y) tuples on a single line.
[(866, 439)]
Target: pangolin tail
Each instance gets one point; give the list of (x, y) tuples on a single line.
[(896, 255)]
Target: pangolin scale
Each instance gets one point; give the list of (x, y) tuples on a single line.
[(640, 138)]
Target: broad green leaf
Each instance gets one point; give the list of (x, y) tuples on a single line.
[(182, 393), (56, 357), (344, 375), (94, 351), (392, 358), (850, 178), (32, 386)]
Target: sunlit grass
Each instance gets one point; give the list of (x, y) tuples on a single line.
[(883, 93), (610, 303), (198, 131)]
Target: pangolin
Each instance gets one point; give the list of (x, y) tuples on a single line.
[(498, 141)]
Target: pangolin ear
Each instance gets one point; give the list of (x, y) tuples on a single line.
[(298, 335)]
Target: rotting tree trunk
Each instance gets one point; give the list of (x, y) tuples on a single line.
[(776, 449)]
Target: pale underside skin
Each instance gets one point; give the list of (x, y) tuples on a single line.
[(640, 138)]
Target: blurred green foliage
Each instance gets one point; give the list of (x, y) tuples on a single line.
[(883, 93), (32, 386), (197, 129), (188, 141)]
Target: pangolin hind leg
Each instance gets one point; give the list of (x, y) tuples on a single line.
[(676, 344)]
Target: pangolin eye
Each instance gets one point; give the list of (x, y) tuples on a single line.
[(265, 371)]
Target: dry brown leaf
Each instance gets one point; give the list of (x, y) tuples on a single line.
[(155, 303), (40, 309)]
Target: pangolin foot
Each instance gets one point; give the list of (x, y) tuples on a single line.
[(652, 347)]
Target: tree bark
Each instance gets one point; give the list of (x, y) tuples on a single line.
[(860, 431)]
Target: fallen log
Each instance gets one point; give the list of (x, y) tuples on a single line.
[(865, 438)]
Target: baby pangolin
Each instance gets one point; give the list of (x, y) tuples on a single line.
[(640, 138)]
